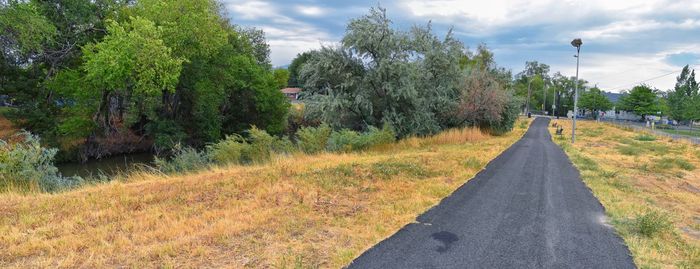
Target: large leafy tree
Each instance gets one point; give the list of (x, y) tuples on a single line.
[(295, 69), (594, 100), (684, 99), (642, 100), (379, 75)]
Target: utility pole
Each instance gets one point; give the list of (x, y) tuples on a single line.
[(554, 102), (576, 43), (527, 102), (544, 97)]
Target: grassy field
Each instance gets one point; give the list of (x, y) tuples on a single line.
[(650, 187), (298, 211), (695, 133)]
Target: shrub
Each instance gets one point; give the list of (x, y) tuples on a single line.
[(261, 145), (348, 140), (375, 136), (344, 140), (229, 150), (27, 166), (313, 139), (652, 223), (183, 160)]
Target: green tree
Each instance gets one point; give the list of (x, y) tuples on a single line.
[(642, 100), (295, 69), (94, 75), (379, 75), (281, 77), (683, 99), (594, 100)]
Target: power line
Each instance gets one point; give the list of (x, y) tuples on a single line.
[(650, 79)]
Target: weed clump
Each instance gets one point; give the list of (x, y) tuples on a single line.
[(645, 137), (629, 150), (652, 223), (473, 163)]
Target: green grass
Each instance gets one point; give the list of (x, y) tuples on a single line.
[(473, 163), (629, 150), (645, 137), (695, 133), (592, 132)]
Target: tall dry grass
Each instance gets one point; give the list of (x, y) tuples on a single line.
[(7, 129)]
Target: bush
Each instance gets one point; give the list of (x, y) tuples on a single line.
[(230, 150), (313, 139), (27, 166), (348, 140), (183, 160), (652, 223), (261, 145), (344, 141)]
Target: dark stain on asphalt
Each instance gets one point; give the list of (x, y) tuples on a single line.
[(446, 238)]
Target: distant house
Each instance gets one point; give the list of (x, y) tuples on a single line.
[(291, 93), (614, 113)]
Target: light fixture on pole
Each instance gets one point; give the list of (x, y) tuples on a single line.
[(576, 43)]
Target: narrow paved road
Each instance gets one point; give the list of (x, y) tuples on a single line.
[(527, 209)]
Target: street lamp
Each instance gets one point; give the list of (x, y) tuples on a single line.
[(576, 43)]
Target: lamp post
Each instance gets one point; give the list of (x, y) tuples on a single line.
[(576, 43)]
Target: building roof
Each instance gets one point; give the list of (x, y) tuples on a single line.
[(291, 90), (613, 97)]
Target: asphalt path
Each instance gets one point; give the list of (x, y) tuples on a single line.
[(527, 209)]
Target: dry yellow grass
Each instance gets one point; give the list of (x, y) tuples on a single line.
[(309, 211), (636, 174), (7, 129)]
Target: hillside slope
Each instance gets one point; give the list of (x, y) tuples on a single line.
[(320, 210)]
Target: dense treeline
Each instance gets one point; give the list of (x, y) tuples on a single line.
[(103, 77), (94, 78)]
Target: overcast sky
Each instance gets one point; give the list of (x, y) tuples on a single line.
[(624, 41)]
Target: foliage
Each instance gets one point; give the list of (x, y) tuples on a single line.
[(184, 159), (90, 71), (229, 150), (641, 100), (313, 139), (27, 166), (652, 223), (482, 99), (281, 77), (381, 75), (594, 100), (295, 69), (347, 140), (684, 98)]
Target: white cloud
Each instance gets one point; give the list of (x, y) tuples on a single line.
[(622, 72), (252, 10), (285, 35), (619, 29), (312, 11)]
